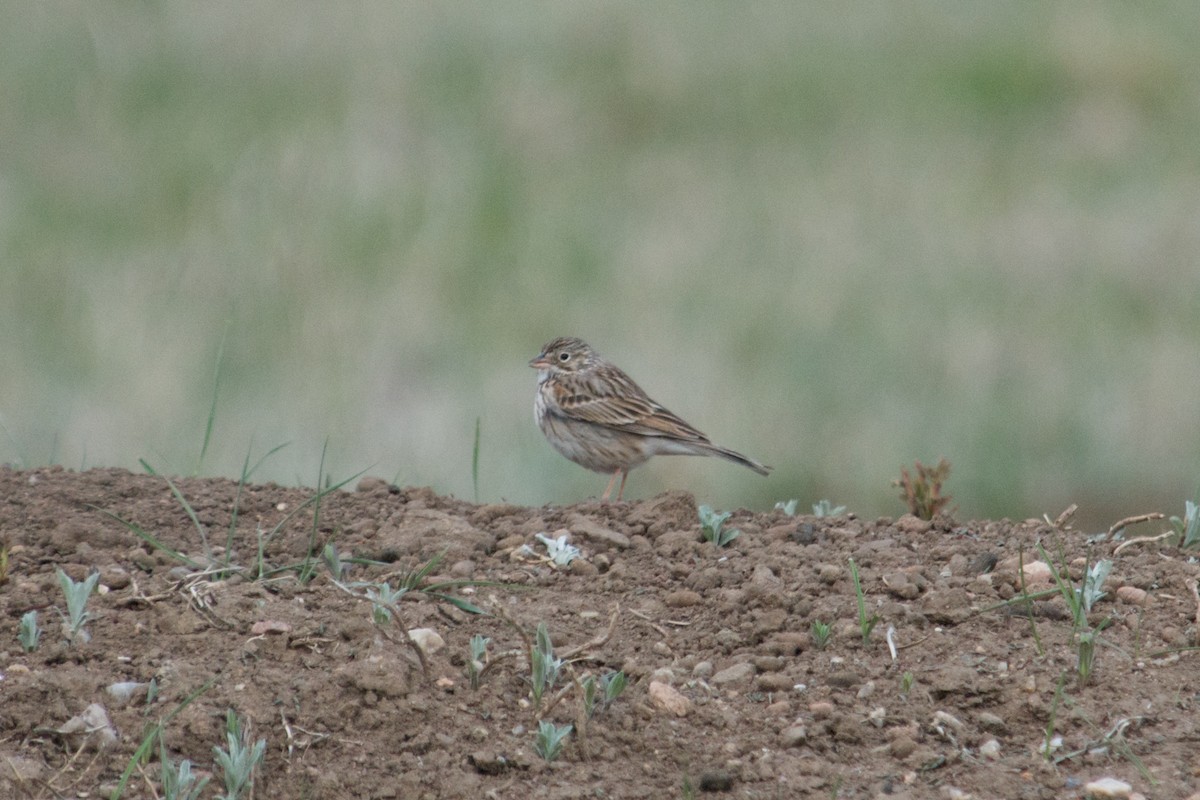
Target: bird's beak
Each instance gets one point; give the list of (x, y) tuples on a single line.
[(541, 362)]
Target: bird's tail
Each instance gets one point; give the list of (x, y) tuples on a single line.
[(745, 461)]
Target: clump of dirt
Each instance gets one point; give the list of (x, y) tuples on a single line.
[(728, 695)]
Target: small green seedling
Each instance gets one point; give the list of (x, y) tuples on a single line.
[(821, 631), (865, 623), (383, 599), (1091, 592), (28, 633), (543, 666), (178, 780), (824, 508), (711, 524), (238, 763), (1188, 529), (478, 659), (76, 596), (610, 686), (333, 562), (788, 507), (906, 683), (550, 739)]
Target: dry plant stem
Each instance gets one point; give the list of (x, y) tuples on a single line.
[(554, 701), (1135, 519), (598, 641), (1144, 540), (1063, 520), (1192, 587)]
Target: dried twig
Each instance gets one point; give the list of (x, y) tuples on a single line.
[(1136, 518)]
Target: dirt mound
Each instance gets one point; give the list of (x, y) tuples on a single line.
[(728, 694)]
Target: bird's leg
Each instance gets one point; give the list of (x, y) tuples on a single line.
[(621, 491), (612, 482)]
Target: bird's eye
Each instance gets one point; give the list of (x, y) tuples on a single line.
[(564, 356)]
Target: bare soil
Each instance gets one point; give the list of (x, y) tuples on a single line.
[(728, 694)]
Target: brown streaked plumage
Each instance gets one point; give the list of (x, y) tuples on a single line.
[(595, 415)]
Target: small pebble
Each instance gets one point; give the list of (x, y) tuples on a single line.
[(1107, 787)]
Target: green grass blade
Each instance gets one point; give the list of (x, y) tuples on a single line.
[(150, 539), (212, 409), (475, 461)]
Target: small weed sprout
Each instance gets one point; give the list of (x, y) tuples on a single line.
[(559, 550), (906, 683), (1091, 592), (383, 599), (711, 524), (613, 684), (76, 596), (239, 761), (1085, 647), (543, 666), (589, 696), (333, 562), (178, 780), (550, 739), (865, 623), (478, 659), (610, 685), (923, 494), (1188, 529), (28, 634), (821, 631), (788, 507), (824, 508)]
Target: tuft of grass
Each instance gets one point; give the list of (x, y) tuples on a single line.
[(1187, 530), (711, 526), (820, 632), (76, 596), (239, 760), (550, 739), (28, 632), (923, 493), (544, 667), (824, 508), (865, 623), (906, 683), (788, 507)]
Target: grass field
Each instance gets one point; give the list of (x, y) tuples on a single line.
[(837, 238)]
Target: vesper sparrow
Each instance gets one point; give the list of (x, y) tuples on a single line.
[(595, 415)]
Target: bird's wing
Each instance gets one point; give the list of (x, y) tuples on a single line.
[(617, 402)]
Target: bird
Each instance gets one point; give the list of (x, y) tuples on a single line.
[(597, 416)]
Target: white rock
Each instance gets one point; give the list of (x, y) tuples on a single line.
[(738, 672), (427, 639), (669, 699), (1107, 787)]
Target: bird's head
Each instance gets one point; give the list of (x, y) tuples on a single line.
[(565, 354)]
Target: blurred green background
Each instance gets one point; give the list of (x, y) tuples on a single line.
[(837, 237)]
